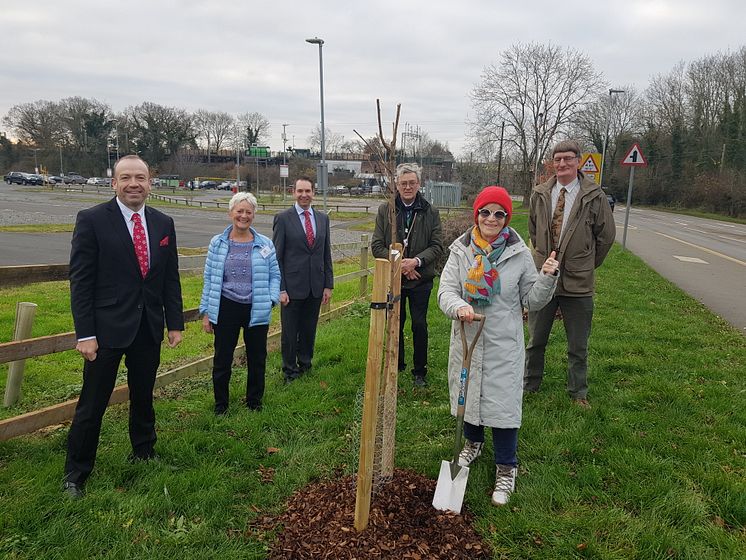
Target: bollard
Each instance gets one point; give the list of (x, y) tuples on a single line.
[(25, 313)]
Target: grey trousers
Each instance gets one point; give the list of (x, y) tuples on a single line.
[(577, 316)]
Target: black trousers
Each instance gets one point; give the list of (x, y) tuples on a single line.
[(418, 298), (299, 320), (231, 319), (141, 358)]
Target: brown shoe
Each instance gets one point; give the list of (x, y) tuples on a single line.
[(582, 403)]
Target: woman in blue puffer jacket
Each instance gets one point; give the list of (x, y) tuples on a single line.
[(241, 285)]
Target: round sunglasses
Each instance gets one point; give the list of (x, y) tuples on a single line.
[(498, 214)]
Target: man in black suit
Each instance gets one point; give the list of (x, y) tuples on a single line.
[(124, 278), (302, 240)]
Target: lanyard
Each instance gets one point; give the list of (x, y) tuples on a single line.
[(408, 230)]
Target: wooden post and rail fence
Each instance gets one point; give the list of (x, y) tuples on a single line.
[(21, 348)]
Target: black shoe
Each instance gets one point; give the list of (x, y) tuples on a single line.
[(402, 367), (221, 410), (73, 489), (419, 381), (255, 407), (290, 378)]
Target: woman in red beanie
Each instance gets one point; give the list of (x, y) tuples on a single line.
[(490, 271)]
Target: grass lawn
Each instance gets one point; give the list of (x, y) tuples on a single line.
[(656, 469)]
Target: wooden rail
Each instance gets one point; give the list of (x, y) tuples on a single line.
[(19, 275), (62, 412)]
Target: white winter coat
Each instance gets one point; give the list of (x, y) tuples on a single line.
[(495, 390)]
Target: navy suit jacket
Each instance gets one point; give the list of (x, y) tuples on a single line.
[(306, 271), (108, 294)]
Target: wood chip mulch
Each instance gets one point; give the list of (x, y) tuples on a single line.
[(319, 524)]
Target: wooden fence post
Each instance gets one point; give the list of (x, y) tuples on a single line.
[(391, 367), (376, 333), (25, 313), (364, 265)]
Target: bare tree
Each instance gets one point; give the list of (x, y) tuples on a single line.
[(253, 128), (537, 90), (39, 123), (334, 143), (215, 127), (157, 131), (621, 112)]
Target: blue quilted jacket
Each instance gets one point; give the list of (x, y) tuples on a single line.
[(265, 278)]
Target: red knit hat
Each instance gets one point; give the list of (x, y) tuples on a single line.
[(495, 194)]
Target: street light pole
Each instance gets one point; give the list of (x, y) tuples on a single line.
[(606, 137), (322, 174), (284, 161)]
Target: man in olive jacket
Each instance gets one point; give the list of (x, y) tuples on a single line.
[(418, 229), (571, 215)]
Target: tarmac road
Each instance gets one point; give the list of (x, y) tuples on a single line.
[(705, 258)]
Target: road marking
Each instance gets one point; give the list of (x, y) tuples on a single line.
[(732, 239), (680, 223), (628, 227), (690, 259), (705, 249)]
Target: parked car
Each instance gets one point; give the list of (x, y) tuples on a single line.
[(208, 185), (610, 197), (34, 179), (75, 178), (225, 186), (16, 177), (54, 180)]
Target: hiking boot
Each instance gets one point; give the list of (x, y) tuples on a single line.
[(471, 450), (504, 484), (419, 381)]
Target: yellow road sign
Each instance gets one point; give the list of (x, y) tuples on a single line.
[(590, 165)]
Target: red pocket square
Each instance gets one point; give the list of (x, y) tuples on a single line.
[(164, 242)]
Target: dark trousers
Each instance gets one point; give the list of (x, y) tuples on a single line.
[(231, 319), (577, 316), (504, 442), (141, 358), (299, 320), (418, 298)]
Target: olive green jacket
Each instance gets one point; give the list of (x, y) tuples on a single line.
[(425, 240), (585, 242)]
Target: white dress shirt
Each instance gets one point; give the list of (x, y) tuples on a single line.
[(302, 218)]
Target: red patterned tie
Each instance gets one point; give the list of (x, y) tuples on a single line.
[(309, 228), (141, 244)]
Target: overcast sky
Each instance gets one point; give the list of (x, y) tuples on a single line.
[(252, 56)]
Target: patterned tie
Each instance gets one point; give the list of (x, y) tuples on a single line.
[(559, 213), (141, 244), (309, 228)]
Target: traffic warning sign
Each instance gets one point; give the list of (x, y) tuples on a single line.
[(635, 157), (589, 166)]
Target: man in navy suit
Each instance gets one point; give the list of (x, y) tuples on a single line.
[(124, 278), (302, 240)]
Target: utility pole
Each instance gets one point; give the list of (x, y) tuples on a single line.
[(500, 156), (284, 161), (606, 138)]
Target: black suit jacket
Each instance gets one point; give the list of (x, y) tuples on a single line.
[(306, 271), (108, 295)]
